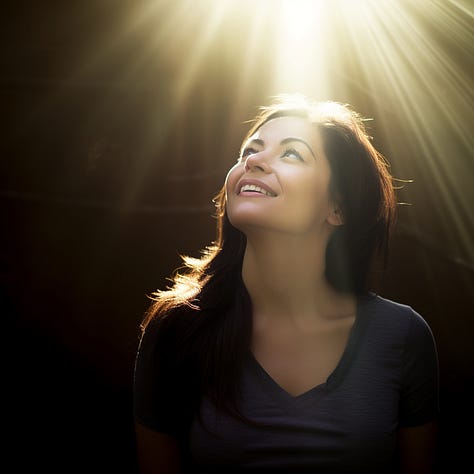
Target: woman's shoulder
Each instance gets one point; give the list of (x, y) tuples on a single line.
[(162, 334), (393, 315), (375, 302), (387, 327)]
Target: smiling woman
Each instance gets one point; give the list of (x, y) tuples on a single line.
[(271, 353), (276, 159)]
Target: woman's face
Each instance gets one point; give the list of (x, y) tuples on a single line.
[(281, 181)]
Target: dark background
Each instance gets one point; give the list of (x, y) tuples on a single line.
[(119, 123)]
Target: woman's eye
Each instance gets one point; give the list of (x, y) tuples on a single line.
[(292, 153), (248, 151)]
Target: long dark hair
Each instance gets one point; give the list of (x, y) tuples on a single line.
[(207, 300)]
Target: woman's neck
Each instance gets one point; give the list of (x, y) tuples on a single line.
[(285, 278)]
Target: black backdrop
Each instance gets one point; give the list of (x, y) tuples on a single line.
[(106, 177)]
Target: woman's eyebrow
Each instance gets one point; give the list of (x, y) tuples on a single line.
[(294, 139), (260, 142), (257, 141)]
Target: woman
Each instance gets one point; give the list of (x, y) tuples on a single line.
[(269, 353)]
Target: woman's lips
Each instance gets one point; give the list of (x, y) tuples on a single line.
[(254, 187)]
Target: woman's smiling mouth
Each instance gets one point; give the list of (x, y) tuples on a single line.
[(253, 188)]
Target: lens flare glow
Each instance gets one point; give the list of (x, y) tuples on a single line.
[(408, 65), (300, 46)]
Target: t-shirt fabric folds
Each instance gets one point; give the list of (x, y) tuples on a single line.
[(386, 378)]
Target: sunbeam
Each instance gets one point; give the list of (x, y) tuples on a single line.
[(403, 63)]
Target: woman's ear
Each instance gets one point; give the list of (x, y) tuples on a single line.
[(335, 216)]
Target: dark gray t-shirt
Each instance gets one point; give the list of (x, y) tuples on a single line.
[(386, 378)]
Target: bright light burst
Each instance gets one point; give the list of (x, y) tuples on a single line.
[(300, 46), (401, 62)]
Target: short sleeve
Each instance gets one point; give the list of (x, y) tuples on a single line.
[(159, 396), (419, 398)]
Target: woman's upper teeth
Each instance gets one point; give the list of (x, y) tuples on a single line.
[(255, 188)]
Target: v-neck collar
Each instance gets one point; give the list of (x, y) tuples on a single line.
[(274, 389)]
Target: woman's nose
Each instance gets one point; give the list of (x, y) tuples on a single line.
[(257, 162)]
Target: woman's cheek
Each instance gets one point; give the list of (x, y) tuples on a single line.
[(231, 178)]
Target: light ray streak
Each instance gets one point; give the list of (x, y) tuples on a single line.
[(300, 47), (390, 50), (405, 64)]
